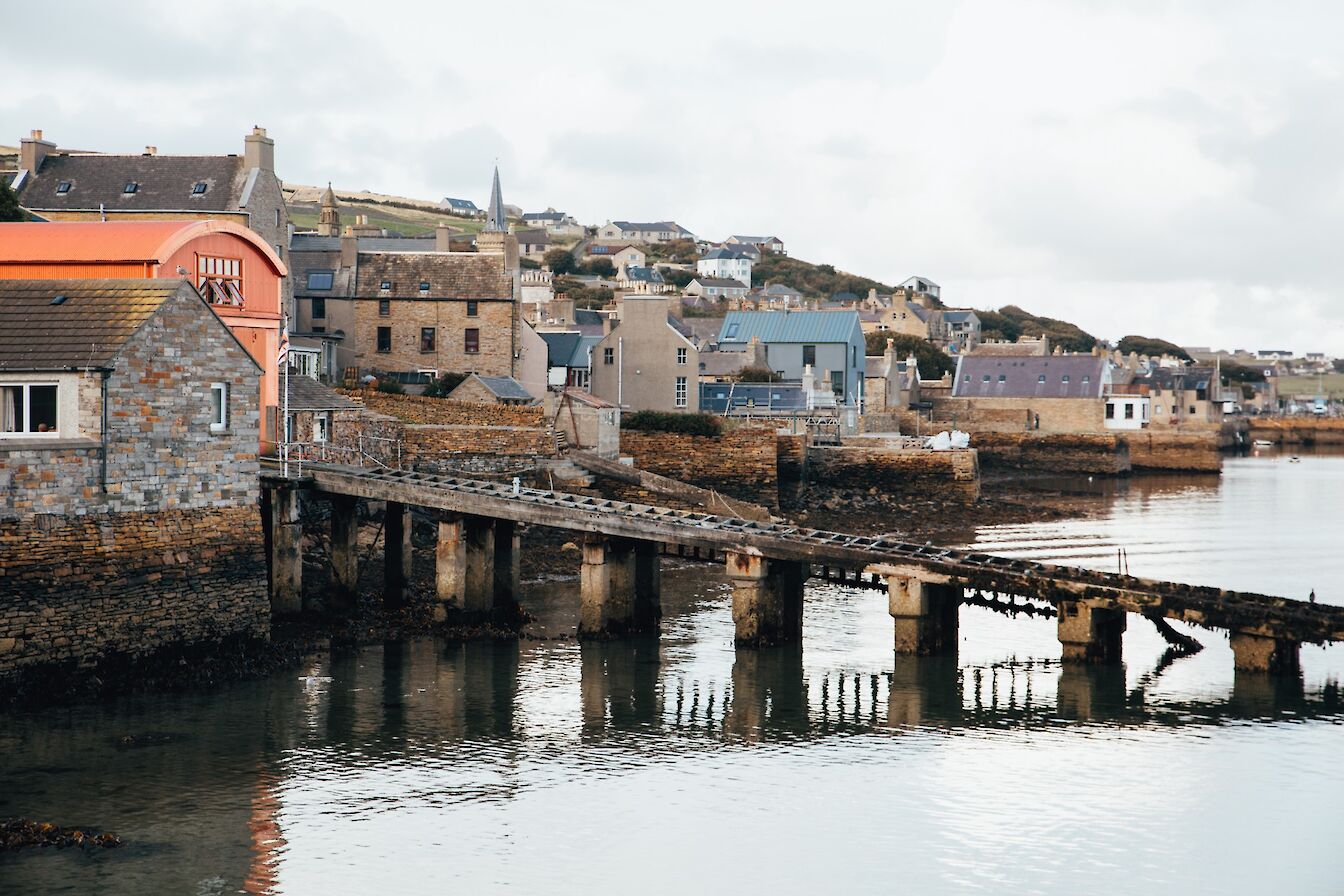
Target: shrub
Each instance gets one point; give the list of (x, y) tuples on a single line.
[(390, 386), (757, 375), (443, 384), (559, 261), (933, 361), (663, 421)]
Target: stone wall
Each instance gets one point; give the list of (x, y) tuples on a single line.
[(740, 463), (791, 463), (428, 443), (449, 320), (1298, 430), (1106, 455), (1163, 449), (899, 474), (79, 587), (443, 411), (1056, 415)]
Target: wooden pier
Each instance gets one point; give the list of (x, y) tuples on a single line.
[(767, 563)]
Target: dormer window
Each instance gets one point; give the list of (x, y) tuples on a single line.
[(424, 286), (62, 188), (198, 188), (131, 187), (385, 286)]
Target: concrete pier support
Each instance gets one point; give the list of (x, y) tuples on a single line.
[(1090, 634), (344, 552), (1091, 692), (619, 586), (286, 553), (1258, 653), (925, 615), (396, 554), (477, 570), (767, 599)]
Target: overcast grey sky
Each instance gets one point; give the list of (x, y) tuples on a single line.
[(1163, 168)]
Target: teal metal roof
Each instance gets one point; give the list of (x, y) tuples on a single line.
[(790, 326)]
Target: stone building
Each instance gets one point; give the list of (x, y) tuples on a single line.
[(645, 363), (1183, 396), (1053, 394), (129, 417), (68, 185), (239, 275)]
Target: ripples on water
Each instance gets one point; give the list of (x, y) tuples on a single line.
[(683, 765)]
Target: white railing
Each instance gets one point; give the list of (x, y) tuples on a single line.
[(356, 455)]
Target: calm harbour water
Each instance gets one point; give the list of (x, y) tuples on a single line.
[(684, 765)]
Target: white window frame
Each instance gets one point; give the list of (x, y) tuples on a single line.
[(322, 426), (681, 357), (25, 423), (682, 392), (219, 422)]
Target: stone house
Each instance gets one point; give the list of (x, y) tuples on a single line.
[(533, 244), (239, 275), (645, 363), (962, 329), (890, 383), (623, 256), (65, 185), (643, 280), (1183, 396), (830, 343), (129, 421), (318, 417), (586, 421), (492, 390), (1057, 393)]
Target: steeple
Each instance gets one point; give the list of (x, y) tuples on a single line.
[(329, 219), (495, 219)]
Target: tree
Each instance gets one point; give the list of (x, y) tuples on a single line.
[(681, 251), (1240, 373), (933, 362), (1010, 322), (9, 203), (757, 375), (1148, 345), (598, 267), (560, 261), (677, 277)]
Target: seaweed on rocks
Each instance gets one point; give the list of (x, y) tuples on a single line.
[(18, 833)]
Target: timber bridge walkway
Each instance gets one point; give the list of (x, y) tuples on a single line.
[(477, 556)]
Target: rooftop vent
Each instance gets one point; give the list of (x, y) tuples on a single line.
[(58, 300)]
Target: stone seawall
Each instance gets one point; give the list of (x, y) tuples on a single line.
[(1106, 455), (1298, 430), (78, 588), (898, 474), (741, 463), (1193, 452)]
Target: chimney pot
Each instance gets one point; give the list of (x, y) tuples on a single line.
[(151, 150), (37, 133)]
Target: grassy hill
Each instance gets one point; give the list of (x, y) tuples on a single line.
[(1010, 322), (815, 281)]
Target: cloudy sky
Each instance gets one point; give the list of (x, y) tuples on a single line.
[(1171, 169)]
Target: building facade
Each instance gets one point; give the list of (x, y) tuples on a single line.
[(645, 363)]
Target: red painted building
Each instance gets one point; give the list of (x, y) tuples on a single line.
[(239, 275)]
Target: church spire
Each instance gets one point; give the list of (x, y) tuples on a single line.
[(329, 218), (495, 219)]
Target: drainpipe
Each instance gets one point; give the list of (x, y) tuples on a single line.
[(620, 371), (102, 472)]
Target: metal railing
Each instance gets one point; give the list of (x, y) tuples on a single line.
[(295, 454)]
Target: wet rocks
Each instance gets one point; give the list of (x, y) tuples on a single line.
[(18, 833)]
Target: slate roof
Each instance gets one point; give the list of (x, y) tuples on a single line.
[(813, 327), (465, 205), (505, 387), (723, 363), (780, 289), (533, 236), (1009, 349), (978, 376), (643, 275), (608, 249), (311, 242), (455, 275), (85, 331), (651, 226), (560, 348), (720, 282), (721, 252), (307, 394), (960, 316), (163, 183), (544, 216), (754, 240)]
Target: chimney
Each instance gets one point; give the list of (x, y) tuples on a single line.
[(674, 305), (442, 241), (809, 383), (758, 356), (349, 248), (32, 150), (259, 150), (151, 150)]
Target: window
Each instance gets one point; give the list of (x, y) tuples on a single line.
[(1040, 378), (838, 382), (28, 409), (384, 339), (384, 307), (385, 286), (731, 332), (1087, 378), (608, 356), (198, 188), (321, 427), (1145, 412), (681, 391), (1064, 378), (681, 356), (219, 407), (319, 329), (471, 340), (1192, 409), (809, 355), (1110, 410), (473, 307), (320, 279), (131, 187), (426, 339), (424, 286), (319, 309), (277, 217), (220, 280), (1157, 409), (1129, 411), (1003, 378), (62, 188), (985, 378), (966, 378)]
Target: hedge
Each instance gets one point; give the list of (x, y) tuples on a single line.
[(663, 421)]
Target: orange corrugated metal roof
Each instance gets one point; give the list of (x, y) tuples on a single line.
[(97, 241)]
